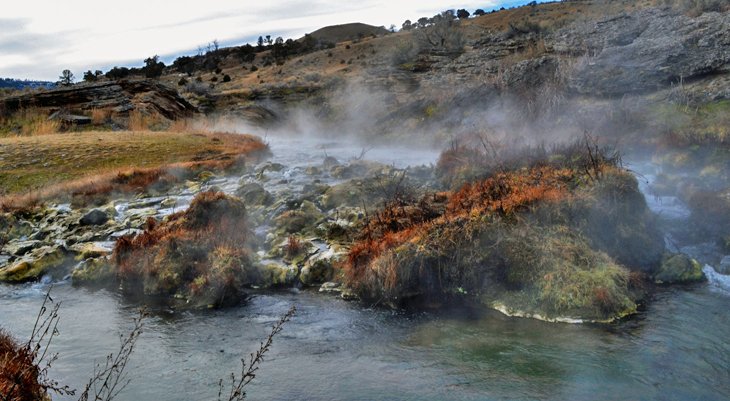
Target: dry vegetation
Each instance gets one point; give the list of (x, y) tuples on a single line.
[(18, 372), (202, 255), (65, 166), (529, 236)]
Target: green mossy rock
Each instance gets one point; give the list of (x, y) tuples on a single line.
[(96, 271), (316, 272), (275, 275), (302, 219), (41, 261), (679, 269), (253, 194)]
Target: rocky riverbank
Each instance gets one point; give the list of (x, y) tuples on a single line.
[(561, 242)]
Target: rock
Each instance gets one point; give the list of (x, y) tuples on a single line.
[(38, 263), (302, 219), (143, 95), (138, 217), (312, 170), (316, 271), (320, 268), (68, 119), (88, 250), (358, 168), (724, 266), (679, 269), (13, 227), (122, 233), (95, 217), (330, 287), (20, 248), (275, 275), (97, 271), (254, 194), (647, 50)]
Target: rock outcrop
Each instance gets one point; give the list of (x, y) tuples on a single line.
[(646, 51), (120, 97)]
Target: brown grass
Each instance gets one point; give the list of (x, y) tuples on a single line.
[(18, 373), (139, 121), (100, 116), (68, 165)]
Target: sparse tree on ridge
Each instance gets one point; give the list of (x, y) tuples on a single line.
[(407, 25), (462, 14), (479, 12), (66, 78), (153, 67)]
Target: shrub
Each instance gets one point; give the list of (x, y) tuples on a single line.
[(530, 236), (18, 372), (202, 254)]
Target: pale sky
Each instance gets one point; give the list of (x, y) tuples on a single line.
[(40, 38)]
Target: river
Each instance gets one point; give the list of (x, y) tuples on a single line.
[(676, 348)]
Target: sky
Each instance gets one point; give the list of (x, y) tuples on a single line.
[(40, 38)]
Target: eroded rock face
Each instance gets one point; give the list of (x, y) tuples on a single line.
[(123, 96), (646, 51)]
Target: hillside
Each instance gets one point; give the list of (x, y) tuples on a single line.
[(347, 32)]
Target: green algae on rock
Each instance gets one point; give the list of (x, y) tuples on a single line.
[(679, 269)]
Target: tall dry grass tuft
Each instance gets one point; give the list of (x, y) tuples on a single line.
[(43, 127), (99, 116), (139, 121), (18, 373)]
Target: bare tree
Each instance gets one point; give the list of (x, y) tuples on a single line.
[(248, 370)]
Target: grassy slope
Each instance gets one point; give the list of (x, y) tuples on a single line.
[(29, 163)]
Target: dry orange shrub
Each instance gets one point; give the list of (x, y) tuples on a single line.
[(504, 194), (18, 373)]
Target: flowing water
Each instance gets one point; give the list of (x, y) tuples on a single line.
[(675, 349)]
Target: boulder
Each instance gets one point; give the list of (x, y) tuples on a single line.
[(724, 266), (302, 219), (254, 194), (94, 217), (276, 275), (316, 271), (97, 271), (679, 269)]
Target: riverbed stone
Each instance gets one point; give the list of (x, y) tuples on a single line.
[(88, 250), (678, 269), (97, 271), (276, 275), (35, 265), (94, 217), (316, 271), (20, 248), (724, 266), (254, 194), (302, 219)]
